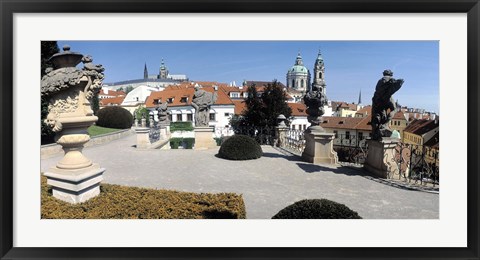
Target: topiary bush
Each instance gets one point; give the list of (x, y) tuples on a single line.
[(114, 117), (316, 209), (240, 147)]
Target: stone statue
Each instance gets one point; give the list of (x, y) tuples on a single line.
[(162, 113), (202, 100), (315, 100), (383, 105)]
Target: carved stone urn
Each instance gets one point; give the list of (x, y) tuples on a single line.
[(318, 143), (68, 89)]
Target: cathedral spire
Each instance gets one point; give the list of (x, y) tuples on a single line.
[(145, 72), (360, 97)]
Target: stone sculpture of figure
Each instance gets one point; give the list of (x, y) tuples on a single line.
[(202, 100), (162, 112), (315, 100), (95, 76), (383, 105)]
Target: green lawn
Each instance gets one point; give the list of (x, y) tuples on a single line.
[(98, 130)]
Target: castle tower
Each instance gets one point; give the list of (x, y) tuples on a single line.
[(145, 72), (163, 71), (298, 76), (319, 74)]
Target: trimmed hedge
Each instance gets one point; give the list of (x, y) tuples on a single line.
[(186, 142), (181, 126), (240, 147), (316, 209), (121, 202), (114, 117)]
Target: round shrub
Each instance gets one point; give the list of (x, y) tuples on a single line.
[(114, 117), (240, 147), (316, 209)]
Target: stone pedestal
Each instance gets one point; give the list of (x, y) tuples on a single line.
[(281, 132), (143, 140), (75, 185), (204, 138), (319, 146), (381, 158)]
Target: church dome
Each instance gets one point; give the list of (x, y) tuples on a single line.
[(298, 69)]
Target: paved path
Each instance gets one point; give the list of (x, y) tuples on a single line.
[(268, 184)]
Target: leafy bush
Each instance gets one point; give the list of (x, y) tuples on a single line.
[(114, 117), (240, 147), (316, 209), (121, 202), (140, 113), (181, 126)]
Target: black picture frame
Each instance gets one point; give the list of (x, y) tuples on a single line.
[(10, 7)]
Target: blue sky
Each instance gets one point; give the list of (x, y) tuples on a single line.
[(350, 66)]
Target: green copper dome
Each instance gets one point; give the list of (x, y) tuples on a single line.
[(298, 69)]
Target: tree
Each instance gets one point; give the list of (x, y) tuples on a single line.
[(275, 103), (128, 89), (48, 48), (253, 113), (142, 112), (95, 104), (264, 110)]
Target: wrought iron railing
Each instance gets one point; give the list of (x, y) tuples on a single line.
[(264, 135), (417, 163), (350, 148), (154, 133)]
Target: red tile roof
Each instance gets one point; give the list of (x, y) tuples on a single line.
[(357, 123), (178, 93), (111, 101), (112, 93), (239, 106), (336, 105), (298, 109), (421, 126)]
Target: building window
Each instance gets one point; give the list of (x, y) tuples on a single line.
[(170, 117), (336, 133), (183, 99), (347, 135), (293, 127), (360, 136), (212, 117), (190, 117), (234, 94), (179, 117), (155, 101), (227, 114), (170, 100)]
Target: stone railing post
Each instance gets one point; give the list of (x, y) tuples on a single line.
[(319, 146), (381, 157), (143, 140)]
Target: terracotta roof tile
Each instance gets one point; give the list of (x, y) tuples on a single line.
[(298, 109), (239, 106), (111, 101), (183, 92), (421, 126)]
